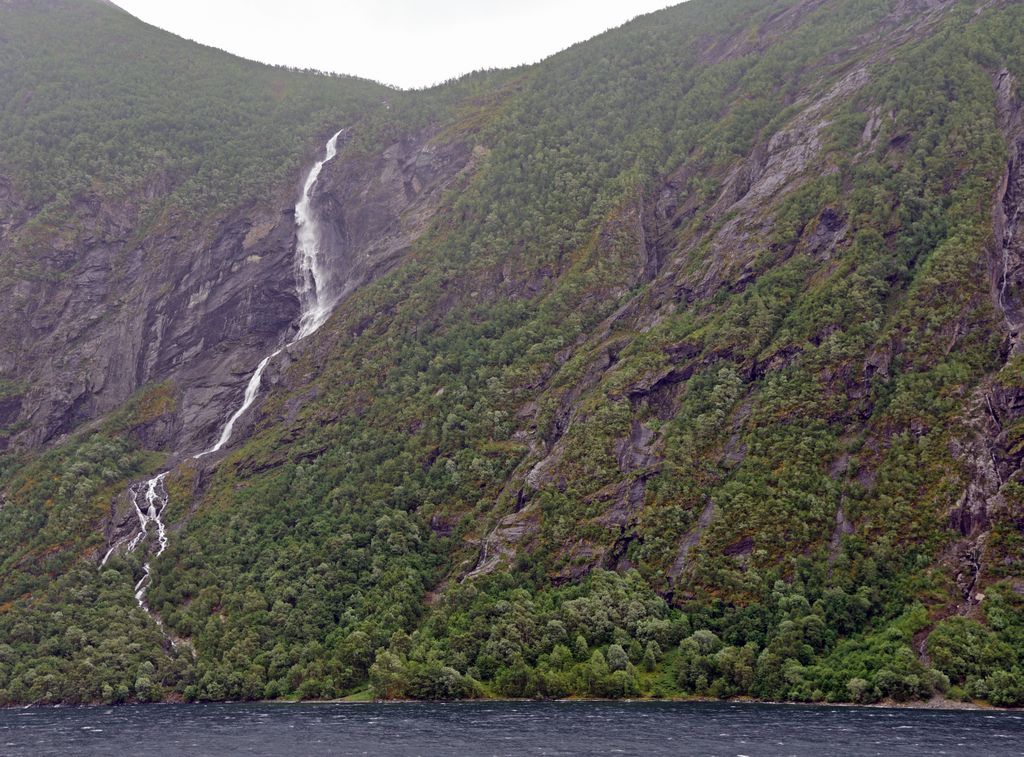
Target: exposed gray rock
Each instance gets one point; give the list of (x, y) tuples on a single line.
[(1006, 261), (635, 451), (109, 316), (843, 528), (373, 208), (691, 540), (502, 543), (198, 308)]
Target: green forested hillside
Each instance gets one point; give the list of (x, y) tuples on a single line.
[(122, 104), (97, 106), (703, 383)]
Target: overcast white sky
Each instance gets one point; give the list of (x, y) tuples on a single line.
[(407, 43)]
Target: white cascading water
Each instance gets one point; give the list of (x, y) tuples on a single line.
[(317, 298), (251, 390), (316, 294), (149, 499)]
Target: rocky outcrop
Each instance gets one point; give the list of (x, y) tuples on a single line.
[(503, 542), (691, 540), (1006, 261), (993, 459), (374, 207)]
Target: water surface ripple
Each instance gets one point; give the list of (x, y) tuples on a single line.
[(554, 728)]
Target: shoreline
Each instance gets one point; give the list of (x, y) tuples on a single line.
[(935, 704)]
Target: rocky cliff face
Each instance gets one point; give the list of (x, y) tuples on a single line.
[(109, 313), (375, 207), (1007, 261)]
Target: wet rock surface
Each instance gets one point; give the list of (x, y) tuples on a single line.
[(112, 317), (1006, 261), (374, 207), (195, 308)]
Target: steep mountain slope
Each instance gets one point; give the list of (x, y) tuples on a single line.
[(142, 236), (684, 362)]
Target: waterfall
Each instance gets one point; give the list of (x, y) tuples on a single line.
[(149, 499), (316, 294), (251, 390), (317, 298)]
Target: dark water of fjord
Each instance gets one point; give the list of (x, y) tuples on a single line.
[(507, 728)]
